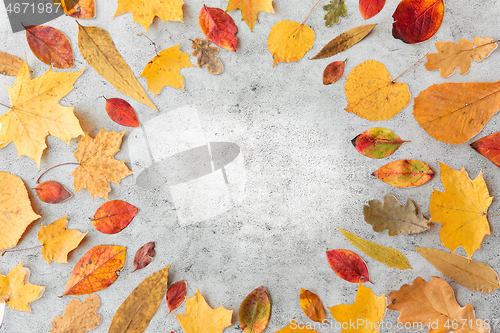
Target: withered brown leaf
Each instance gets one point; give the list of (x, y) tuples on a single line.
[(206, 55)]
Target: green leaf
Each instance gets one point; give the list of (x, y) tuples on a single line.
[(255, 311), (377, 142)]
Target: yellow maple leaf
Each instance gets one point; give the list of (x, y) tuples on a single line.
[(372, 94), (367, 312), (461, 209), (16, 291), (144, 11), (250, 9), (35, 112), (289, 41), (164, 69), (452, 55), (15, 210), (97, 166), (199, 317), (57, 241)]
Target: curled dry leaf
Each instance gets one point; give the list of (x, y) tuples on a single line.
[(289, 41), (144, 255), (348, 265), (206, 55), (96, 270), (50, 45), (121, 112), (113, 216), (370, 8), (16, 291), (312, 306), (344, 41), (255, 311), (250, 9), (333, 72), (489, 147), (476, 276), (218, 27), (9, 65), (52, 192), (377, 142), (176, 294), (404, 173), (144, 12), (417, 20), (16, 211), (394, 217), (78, 317), (335, 9)]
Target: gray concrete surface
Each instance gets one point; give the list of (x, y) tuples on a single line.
[(303, 177)]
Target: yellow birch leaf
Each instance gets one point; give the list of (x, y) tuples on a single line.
[(199, 317), (367, 312), (461, 209), (312, 306), (452, 55), (371, 93), (250, 9), (9, 64), (78, 317), (97, 166), (16, 213), (295, 327), (164, 69), (16, 291), (98, 49), (36, 113), (57, 241), (144, 11), (386, 255), (289, 41)]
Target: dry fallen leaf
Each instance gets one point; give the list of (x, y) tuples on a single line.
[(16, 291), (16, 213), (83, 9), (250, 9), (255, 311), (333, 72), (52, 192), (144, 256), (97, 166), (312, 306), (113, 216), (199, 317), (461, 210), (335, 9), (218, 27), (78, 317), (145, 11), (348, 265), (452, 55), (206, 55), (9, 65), (176, 295), (489, 147), (377, 142), (50, 45), (404, 173), (121, 112), (289, 41), (370, 8), (35, 112)]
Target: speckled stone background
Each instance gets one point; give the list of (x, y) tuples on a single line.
[(304, 178)]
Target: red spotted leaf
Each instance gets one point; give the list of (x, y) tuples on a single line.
[(52, 192), (121, 112), (333, 72), (417, 20), (176, 294), (489, 147), (113, 216), (96, 270), (377, 142), (255, 311), (348, 265), (144, 255), (405, 173), (370, 8), (50, 46), (219, 27)]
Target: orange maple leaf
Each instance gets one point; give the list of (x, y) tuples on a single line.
[(144, 11), (250, 9)]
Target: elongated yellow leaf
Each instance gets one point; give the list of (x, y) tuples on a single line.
[(386, 255), (476, 276), (98, 49), (344, 41)]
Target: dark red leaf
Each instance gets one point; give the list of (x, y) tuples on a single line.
[(333, 72), (176, 294), (219, 27), (144, 255), (348, 265), (113, 216), (121, 112), (50, 45), (52, 192)]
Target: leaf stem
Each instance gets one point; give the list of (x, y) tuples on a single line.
[(29, 248), (154, 44), (8, 107), (397, 77), (310, 12), (55, 166)]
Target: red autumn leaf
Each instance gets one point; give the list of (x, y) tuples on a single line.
[(52, 192), (348, 265), (219, 27), (176, 294), (113, 216), (333, 72), (50, 45), (370, 8), (417, 20), (404, 173), (377, 142), (96, 270), (144, 255), (121, 112), (489, 147)]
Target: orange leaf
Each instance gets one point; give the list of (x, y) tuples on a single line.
[(144, 255), (83, 9), (348, 265), (176, 294), (121, 112), (78, 317), (333, 72), (52, 192), (312, 306), (96, 270), (370, 8), (219, 27), (9, 65), (250, 9), (417, 20), (50, 45), (489, 147), (405, 173), (113, 216)]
